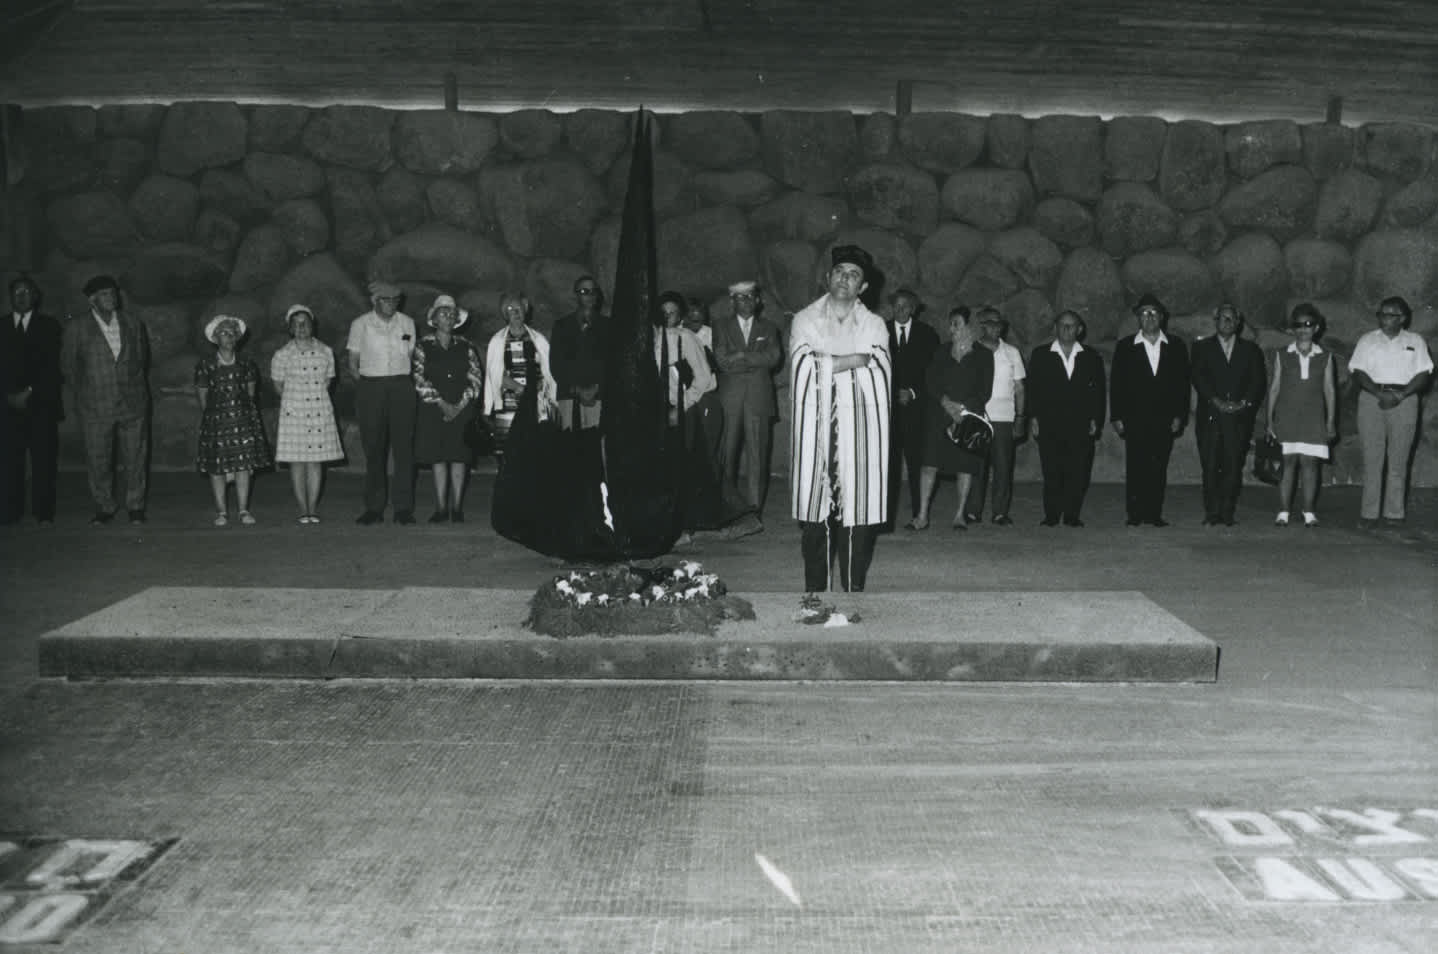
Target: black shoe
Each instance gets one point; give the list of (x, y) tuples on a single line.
[(456, 516), (1394, 522), (1002, 520), (439, 516), (1072, 522), (1211, 521), (404, 517), (101, 518), (1132, 522), (1364, 523), (137, 517), (1049, 522), (1158, 522), (973, 518), (1230, 521), (369, 518)]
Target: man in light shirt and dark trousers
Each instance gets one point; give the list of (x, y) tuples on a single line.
[(381, 347), (1005, 411), (1066, 405)]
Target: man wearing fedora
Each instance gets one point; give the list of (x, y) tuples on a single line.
[(30, 380), (1148, 405), (1229, 378), (380, 347), (105, 356)]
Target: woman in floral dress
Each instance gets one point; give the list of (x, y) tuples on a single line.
[(447, 375), (302, 371), (232, 438)]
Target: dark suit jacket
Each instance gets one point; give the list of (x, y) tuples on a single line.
[(576, 357), (104, 386), (910, 362), (746, 372), (32, 360), (1141, 399), (1240, 378), (1063, 404)]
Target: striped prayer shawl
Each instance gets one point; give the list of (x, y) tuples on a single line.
[(839, 418)]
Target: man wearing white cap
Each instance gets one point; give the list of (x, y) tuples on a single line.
[(746, 347), (381, 346)]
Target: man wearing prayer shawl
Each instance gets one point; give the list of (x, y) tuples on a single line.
[(839, 452)]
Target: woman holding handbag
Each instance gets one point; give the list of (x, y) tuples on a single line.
[(958, 383), (1302, 410)]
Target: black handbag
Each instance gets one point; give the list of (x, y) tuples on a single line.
[(1268, 459), (478, 435), (971, 432)]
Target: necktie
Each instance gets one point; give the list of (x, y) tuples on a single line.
[(903, 337)]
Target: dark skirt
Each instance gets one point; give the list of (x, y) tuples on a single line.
[(437, 441)]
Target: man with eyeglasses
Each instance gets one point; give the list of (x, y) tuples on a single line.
[(1392, 367), (1148, 405), (1229, 378), (746, 347), (380, 349), (576, 358)]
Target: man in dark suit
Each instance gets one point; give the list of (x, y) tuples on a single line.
[(1066, 404), (1229, 376), (30, 379), (105, 357), (747, 349), (912, 345), (1148, 403)]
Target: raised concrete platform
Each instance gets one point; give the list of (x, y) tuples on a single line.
[(426, 633)]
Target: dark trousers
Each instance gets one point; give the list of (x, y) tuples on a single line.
[(36, 436), (906, 450), (755, 432), (384, 410), (822, 544), (1146, 453), (1067, 462), (1222, 444), (997, 471)]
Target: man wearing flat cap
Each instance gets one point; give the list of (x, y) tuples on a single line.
[(381, 347), (747, 350), (839, 383), (30, 428), (105, 357), (1148, 405)]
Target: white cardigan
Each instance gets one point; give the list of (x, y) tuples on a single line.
[(494, 373)]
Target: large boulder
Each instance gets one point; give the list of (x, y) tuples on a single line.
[(444, 256), (200, 135), (401, 195), (1317, 268), (549, 286), (1252, 274), (59, 148), (799, 215), (786, 273), (987, 282), (672, 184), (893, 195), (1328, 148), (942, 142), (1133, 148), (1256, 146), (120, 164), (597, 137), (1182, 282), (327, 290), (173, 270), (1280, 202), (442, 142), (1203, 233), (1191, 173), (1401, 150), (1066, 156), (174, 374), (1347, 205), (174, 430), (705, 251), (1090, 285), (1131, 218), (356, 137), (167, 325), (280, 177), (1397, 262), (1413, 204), (1028, 255), (745, 188), (945, 256), (1064, 222), (92, 225), (812, 151), (1007, 140), (304, 225), (712, 139), (164, 208), (234, 195), (140, 121), (456, 202), (216, 232), (1031, 319), (544, 207), (277, 128), (530, 133), (360, 226), (878, 136), (989, 199)]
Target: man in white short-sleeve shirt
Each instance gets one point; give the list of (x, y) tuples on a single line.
[(1006, 412), (381, 345)]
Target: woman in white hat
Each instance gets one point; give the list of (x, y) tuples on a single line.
[(232, 438), (448, 376), (307, 435)]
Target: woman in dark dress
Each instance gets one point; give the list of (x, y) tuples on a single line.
[(957, 380), (448, 378), (232, 442)]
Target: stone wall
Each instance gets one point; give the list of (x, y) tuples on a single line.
[(207, 207)]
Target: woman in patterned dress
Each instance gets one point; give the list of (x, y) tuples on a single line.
[(1302, 410), (232, 438), (447, 376), (516, 367), (307, 435)]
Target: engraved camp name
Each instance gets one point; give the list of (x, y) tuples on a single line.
[(49, 886), (1327, 854)]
